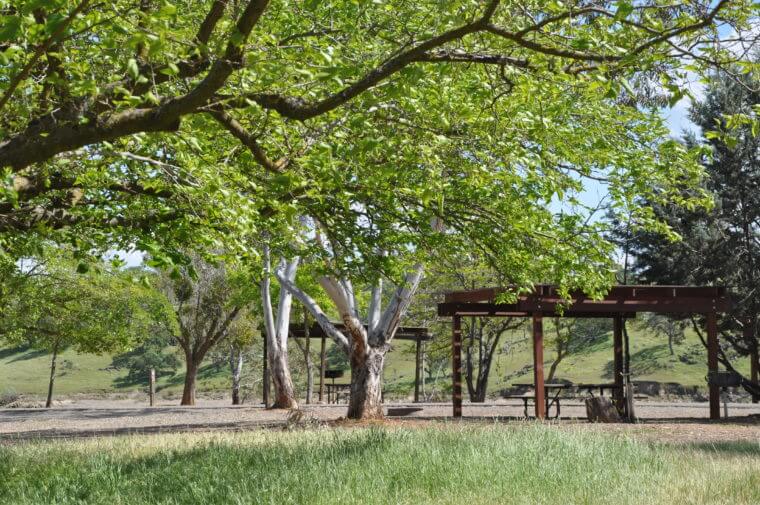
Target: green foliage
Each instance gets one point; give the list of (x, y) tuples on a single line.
[(720, 245), (52, 307), (133, 127)]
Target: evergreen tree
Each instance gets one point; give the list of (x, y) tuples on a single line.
[(719, 246)]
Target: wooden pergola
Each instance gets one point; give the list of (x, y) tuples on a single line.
[(620, 302), (417, 334)]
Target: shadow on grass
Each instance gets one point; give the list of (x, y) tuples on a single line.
[(10, 351), (728, 448), (210, 371), (29, 354)]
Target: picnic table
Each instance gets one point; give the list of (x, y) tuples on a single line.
[(334, 391), (554, 390)]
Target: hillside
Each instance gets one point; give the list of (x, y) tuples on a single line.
[(26, 371)]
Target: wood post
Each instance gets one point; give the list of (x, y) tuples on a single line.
[(152, 387), (322, 365), (617, 346), (417, 367), (712, 364), (456, 365), (538, 366), (265, 378)]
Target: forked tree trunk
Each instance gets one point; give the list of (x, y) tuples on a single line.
[(366, 400), (285, 397), (188, 392), (49, 401)]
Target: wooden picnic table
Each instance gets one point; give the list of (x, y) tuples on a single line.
[(553, 391), (335, 390)]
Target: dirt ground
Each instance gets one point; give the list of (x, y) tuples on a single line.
[(675, 422)]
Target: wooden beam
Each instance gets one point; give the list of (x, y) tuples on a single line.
[(456, 366), (712, 363), (616, 292), (538, 366), (617, 351), (512, 310)]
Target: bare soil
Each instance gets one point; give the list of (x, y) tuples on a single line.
[(682, 422)]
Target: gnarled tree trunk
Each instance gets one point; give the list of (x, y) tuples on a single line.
[(279, 369), (366, 401), (366, 344)]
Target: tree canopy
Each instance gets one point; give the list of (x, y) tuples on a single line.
[(154, 123)]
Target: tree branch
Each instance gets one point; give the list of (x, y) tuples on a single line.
[(41, 49)]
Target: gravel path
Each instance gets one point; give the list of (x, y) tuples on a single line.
[(105, 417)]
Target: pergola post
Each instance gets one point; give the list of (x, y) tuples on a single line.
[(712, 364), (322, 364), (456, 365), (538, 366), (417, 367), (617, 348)]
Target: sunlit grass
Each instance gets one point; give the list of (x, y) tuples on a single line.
[(440, 464)]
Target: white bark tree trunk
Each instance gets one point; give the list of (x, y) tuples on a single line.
[(276, 330), (366, 347)]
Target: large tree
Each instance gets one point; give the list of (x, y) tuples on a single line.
[(208, 299), (104, 107)]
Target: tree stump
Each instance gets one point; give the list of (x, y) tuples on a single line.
[(600, 409)]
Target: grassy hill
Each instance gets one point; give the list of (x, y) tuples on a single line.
[(26, 371)]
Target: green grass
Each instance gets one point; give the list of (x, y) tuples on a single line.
[(27, 371), (447, 464)]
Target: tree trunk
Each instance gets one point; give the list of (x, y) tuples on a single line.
[(553, 368), (670, 344), (49, 402), (307, 355), (188, 393), (366, 400), (285, 397), (236, 372)]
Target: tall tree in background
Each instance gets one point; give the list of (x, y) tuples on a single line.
[(720, 246), (207, 299)]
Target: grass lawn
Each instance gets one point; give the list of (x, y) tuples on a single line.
[(440, 464)]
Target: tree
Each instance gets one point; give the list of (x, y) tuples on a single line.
[(54, 308), (719, 245), (207, 299), (110, 113), (239, 344)]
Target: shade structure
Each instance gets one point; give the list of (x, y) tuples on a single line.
[(621, 302)]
